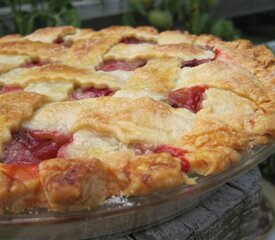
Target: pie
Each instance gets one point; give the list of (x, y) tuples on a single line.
[(86, 115)]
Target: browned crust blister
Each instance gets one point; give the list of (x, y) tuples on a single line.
[(238, 111)]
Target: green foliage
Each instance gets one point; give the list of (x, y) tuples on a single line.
[(162, 19), (199, 23), (192, 15), (202, 21), (41, 14), (224, 29)]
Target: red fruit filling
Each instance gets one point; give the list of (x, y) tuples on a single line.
[(61, 41), (175, 152), (36, 63), (196, 62), (21, 172), (190, 98), (133, 40), (32, 147), (5, 89), (220, 55), (113, 65), (90, 93)]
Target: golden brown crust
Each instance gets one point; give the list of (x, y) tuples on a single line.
[(73, 184), (207, 160), (9, 62), (158, 75), (183, 51), (150, 174), (11, 38), (36, 50), (135, 141), (20, 189), (129, 120), (50, 34), (58, 73), (174, 37)]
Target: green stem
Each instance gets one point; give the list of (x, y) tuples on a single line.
[(12, 5)]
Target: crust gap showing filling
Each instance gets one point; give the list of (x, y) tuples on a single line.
[(112, 65), (190, 98), (133, 40), (5, 89), (36, 63), (32, 147), (92, 92)]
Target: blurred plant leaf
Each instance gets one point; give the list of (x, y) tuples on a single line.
[(161, 19), (175, 7), (29, 24), (72, 18), (139, 6), (199, 23), (34, 4), (148, 3), (58, 5), (224, 29), (194, 7), (211, 3), (128, 19), (19, 24), (43, 13)]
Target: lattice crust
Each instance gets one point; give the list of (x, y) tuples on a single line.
[(87, 114)]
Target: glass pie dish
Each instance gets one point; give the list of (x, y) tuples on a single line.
[(119, 215)]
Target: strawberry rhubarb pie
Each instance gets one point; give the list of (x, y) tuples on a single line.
[(86, 115)]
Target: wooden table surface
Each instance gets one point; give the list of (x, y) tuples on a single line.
[(231, 213)]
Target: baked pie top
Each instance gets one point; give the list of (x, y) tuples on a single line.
[(86, 114)]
